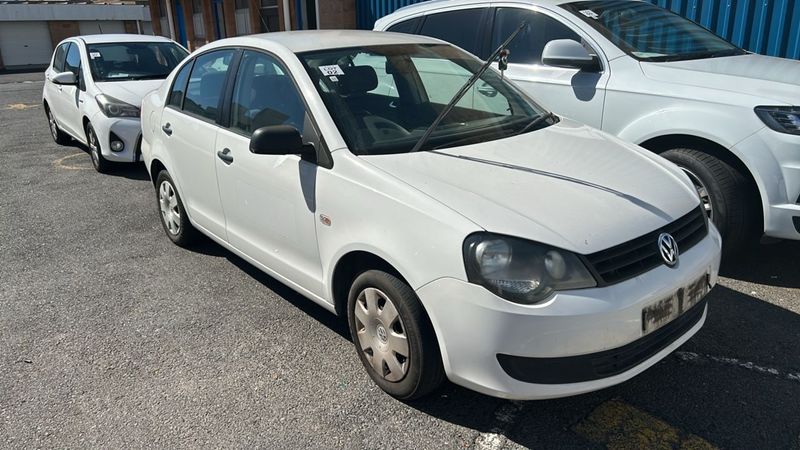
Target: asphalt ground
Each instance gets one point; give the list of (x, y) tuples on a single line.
[(110, 336)]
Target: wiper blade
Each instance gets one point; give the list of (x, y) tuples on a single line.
[(546, 116), (427, 134)]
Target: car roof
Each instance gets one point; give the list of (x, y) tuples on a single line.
[(436, 4), (307, 40), (112, 38)]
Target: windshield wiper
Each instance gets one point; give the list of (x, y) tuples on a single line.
[(546, 116), (425, 136)]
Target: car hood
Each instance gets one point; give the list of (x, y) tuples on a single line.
[(129, 91), (566, 185), (775, 79)]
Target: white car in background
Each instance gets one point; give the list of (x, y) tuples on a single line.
[(94, 86), (519, 254), (730, 119)]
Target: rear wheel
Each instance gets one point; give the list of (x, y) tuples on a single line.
[(172, 213), (100, 164), (59, 136), (726, 195), (393, 336)]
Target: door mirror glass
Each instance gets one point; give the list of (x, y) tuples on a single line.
[(570, 54), (279, 140), (65, 78)]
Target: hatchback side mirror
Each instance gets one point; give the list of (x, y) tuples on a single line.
[(65, 78), (280, 140), (570, 54)]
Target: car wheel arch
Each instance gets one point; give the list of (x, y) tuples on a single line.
[(661, 144), (349, 266)]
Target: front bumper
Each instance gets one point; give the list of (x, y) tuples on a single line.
[(127, 129), (474, 326), (775, 160)]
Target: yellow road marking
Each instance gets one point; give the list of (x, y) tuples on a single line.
[(59, 163), (22, 105), (621, 426)]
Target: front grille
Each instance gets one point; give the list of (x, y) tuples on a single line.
[(639, 255), (594, 366)]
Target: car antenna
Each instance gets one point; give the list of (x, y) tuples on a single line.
[(503, 64)]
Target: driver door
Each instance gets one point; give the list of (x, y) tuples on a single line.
[(269, 200), (70, 98)]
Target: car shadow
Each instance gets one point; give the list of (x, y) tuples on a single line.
[(132, 171), (773, 264)]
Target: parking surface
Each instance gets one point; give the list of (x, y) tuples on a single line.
[(111, 336)]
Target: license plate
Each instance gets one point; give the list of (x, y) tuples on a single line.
[(664, 311)]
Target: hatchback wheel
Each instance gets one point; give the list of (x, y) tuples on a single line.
[(393, 336), (100, 164), (173, 215), (59, 136)]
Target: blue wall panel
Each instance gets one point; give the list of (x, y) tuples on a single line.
[(770, 27)]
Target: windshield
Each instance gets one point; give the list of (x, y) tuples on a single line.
[(383, 98), (124, 61), (650, 33)]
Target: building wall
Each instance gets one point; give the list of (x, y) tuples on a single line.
[(770, 27)]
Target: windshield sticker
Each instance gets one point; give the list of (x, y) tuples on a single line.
[(94, 54), (589, 13), (331, 70)]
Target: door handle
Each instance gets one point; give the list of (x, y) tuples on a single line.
[(166, 129), (225, 156), (487, 90)]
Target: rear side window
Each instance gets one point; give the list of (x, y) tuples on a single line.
[(60, 57), (406, 26), (179, 86), (527, 47), (206, 82), (460, 28)]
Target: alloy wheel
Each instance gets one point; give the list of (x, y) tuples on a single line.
[(53, 125), (168, 203), (381, 334), (94, 147), (702, 191)]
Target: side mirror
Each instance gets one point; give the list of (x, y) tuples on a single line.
[(280, 140), (65, 78), (571, 54)]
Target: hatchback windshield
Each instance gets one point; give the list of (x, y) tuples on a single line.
[(383, 98), (125, 61), (650, 33)]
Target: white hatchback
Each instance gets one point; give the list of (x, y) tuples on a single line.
[(729, 118), (94, 86), (519, 254)]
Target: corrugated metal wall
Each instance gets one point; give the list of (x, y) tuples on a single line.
[(771, 27)]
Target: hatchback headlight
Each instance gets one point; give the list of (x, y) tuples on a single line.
[(522, 271), (112, 107), (783, 119)]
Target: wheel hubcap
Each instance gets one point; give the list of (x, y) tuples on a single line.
[(381, 334), (53, 126), (702, 191), (94, 149), (168, 203)]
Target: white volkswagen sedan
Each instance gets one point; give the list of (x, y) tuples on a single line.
[(516, 253), (94, 86)]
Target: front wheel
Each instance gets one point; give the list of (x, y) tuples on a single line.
[(393, 337), (725, 193), (172, 213), (100, 164)]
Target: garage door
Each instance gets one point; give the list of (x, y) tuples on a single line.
[(101, 26), (25, 43)]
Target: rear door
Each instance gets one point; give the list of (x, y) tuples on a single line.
[(52, 91), (189, 126)]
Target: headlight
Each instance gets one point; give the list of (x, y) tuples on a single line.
[(112, 107), (522, 271), (783, 119)]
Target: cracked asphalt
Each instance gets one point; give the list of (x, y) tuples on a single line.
[(110, 336)]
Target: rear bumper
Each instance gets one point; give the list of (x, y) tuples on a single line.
[(474, 326)]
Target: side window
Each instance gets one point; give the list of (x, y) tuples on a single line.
[(265, 95), (406, 26), (179, 86), (456, 27), (527, 47), (206, 82), (60, 56), (73, 60)]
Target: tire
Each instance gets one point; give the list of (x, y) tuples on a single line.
[(732, 207), (58, 136), (406, 377), (100, 164), (173, 215)]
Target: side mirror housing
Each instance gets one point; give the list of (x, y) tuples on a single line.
[(280, 140), (571, 54), (65, 78)]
